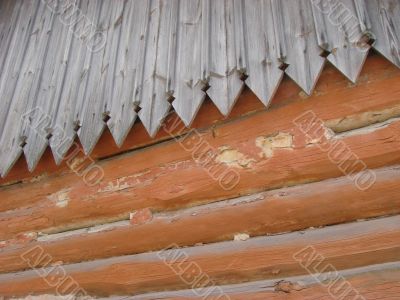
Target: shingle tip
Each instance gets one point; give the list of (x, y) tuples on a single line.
[(6, 165), (89, 136), (225, 91)]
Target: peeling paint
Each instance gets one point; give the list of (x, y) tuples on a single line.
[(241, 237), (38, 178), (141, 216), (19, 239), (363, 119), (233, 158), (366, 130), (125, 182), (288, 286), (268, 144), (93, 229), (326, 135), (60, 198), (51, 297), (143, 178)]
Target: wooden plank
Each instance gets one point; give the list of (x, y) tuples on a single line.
[(170, 185), (266, 213), (153, 95), (224, 78), (32, 79), (10, 71), (105, 16), (152, 182), (372, 282), (344, 246), (187, 85), (128, 74), (385, 23), (50, 87), (376, 68), (262, 65), (339, 32), (218, 39), (9, 13), (75, 80), (302, 51)]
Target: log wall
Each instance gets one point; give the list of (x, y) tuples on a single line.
[(296, 188)]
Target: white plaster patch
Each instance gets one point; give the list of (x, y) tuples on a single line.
[(60, 198)]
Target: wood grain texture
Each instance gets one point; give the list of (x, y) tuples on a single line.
[(15, 67), (339, 31), (66, 121), (344, 246), (302, 52), (122, 104), (266, 213), (224, 78), (261, 54), (168, 50), (45, 111), (105, 17), (161, 177), (187, 85), (372, 283), (376, 68), (153, 94), (385, 25)]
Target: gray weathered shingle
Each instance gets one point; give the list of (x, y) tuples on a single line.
[(73, 67)]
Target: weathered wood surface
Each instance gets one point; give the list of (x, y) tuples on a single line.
[(100, 74), (161, 177), (376, 69), (283, 210), (20, 73), (372, 283), (181, 48), (153, 93), (261, 54), (220, 54), (340, 32), (344, 246), (66, 121), (385, 21), (302, 50), (51, 84), (186, 62)]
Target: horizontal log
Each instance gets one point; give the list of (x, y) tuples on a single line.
[(166, 177), (67, 203), (376, 68), (343, 246), (283, 210), (372, 282)]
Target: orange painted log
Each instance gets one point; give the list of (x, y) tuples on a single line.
[(341, 247), (372, 283), (166, 177), (283, 210), (376, 69)]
